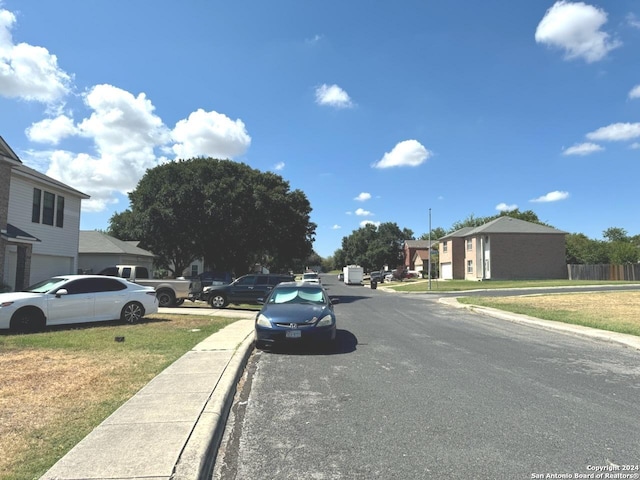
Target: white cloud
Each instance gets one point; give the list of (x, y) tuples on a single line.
[(51, 130), (633, 21), (503, 207), (616, 132), (551, 197), (583, 149), (29, 72), (210, 134), (333, 96), (278, 166), (635, 92), (363, 197), (369, 222), (314, 40), (363, 213), (635, 146), (409, 153), (125, 132), (336, 227), (575, 28)]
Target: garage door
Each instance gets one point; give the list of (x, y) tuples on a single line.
[(446, 271)]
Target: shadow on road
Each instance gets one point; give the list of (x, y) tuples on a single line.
[(345, 342)]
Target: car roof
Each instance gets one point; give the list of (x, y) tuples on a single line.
[(299, 285)]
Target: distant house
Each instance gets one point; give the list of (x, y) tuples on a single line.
[(411, 247), (98, 250), (39, 223), (504, 249)]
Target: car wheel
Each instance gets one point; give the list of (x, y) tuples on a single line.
[(179, 302), (27, 320), (218, 301), (132, 312), (165, 298)]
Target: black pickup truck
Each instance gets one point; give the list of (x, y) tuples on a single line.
[(246, 289)]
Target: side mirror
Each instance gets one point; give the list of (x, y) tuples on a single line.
[(61, 292), (260, 301), (334, 300)]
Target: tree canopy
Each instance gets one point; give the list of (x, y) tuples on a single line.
[(373, 246), (231, 215)]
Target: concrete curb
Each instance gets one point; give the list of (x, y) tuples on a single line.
[(199, 454), (620, 338)]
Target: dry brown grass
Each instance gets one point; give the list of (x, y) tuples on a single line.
[(617, 311), (43, 387)]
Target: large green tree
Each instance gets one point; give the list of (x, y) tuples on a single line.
[(231, 215), (373, 246)]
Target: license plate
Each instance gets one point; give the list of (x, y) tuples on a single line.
[(294, 334)]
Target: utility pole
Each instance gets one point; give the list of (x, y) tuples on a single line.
[(429, 270)]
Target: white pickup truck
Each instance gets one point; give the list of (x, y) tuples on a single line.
[(170, 293)]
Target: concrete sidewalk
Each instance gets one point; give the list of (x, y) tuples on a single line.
[(172, 427)]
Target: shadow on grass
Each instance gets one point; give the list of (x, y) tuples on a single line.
[(86, 326)]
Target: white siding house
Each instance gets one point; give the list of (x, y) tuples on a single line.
[(42, 227)]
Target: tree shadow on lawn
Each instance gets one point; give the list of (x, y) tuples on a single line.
[(85, 326)]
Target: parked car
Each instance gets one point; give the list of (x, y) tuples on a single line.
[(311, 277), (76, 299), (246, 289), (207, 279), (171, 292), (296, 312)]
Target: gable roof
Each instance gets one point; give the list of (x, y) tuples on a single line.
[(423, 244), (458, 233), (7, 154), (92, 241), (14, 233), (26, 172), (508, 224)]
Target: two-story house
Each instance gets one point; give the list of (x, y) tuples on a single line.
[(503, 249), (39, 223)]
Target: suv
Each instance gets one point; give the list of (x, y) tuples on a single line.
[(246, 289)]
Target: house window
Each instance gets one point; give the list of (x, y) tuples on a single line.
[(45, 209), (194, 270), (35, 209), (445, 247), (48, 208), (469, 244), (60, 212), (469, 266)]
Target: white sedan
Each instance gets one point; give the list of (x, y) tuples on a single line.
[(76, 299)]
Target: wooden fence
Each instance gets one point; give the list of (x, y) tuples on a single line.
[(604, 272)]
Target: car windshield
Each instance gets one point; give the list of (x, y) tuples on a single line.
[(297, 295), (309, 276), (46, 285)]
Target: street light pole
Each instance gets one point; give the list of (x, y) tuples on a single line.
[(429, 270)]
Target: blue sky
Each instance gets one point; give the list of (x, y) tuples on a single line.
[(378, 111)]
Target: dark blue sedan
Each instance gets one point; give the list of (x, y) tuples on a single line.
[(296, 312)]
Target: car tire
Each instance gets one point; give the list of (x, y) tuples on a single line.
[(179, 302), (217, 300), (27, 320), (132, 312), (165, 298)]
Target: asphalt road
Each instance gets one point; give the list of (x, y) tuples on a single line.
[(416, 389)]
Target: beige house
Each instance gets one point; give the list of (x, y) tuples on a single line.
[(504, 249), (98, 251)]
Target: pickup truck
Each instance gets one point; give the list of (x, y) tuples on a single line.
[(170, 293)]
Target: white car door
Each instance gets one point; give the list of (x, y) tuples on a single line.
[(110, 296), (76, 306)]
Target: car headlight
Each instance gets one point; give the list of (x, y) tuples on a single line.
[(263, 321), (325, 321)]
